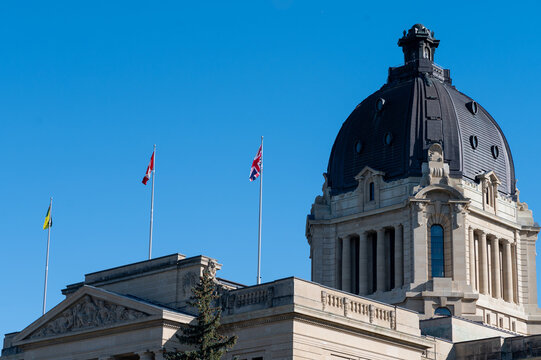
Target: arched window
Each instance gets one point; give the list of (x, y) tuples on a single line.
[(436, 251), (371, 194), (443, 311)]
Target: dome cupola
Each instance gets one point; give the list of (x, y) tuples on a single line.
[(392, 129)]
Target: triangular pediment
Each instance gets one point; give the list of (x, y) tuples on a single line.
[(90, 308), (490, 176), (367, 171)]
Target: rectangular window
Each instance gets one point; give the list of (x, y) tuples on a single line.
[(371, 191)]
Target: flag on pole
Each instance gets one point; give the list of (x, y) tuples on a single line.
[(150, 168), (256, 166), (48, 221)]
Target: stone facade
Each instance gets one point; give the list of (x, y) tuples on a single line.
[(285, 319), (377, 243), (420, 249)]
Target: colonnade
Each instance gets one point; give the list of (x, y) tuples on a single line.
[(372, 260), (493, 267)]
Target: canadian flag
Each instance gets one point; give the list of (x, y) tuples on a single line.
[(150, 168)]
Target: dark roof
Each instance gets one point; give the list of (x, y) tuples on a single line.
[(417, 107)]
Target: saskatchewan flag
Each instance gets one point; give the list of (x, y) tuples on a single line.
[(48, 221)]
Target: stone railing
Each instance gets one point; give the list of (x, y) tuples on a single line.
[(359, 309), (252, 297), (296, 295), (249, 299)]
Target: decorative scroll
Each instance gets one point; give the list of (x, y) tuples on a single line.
[(87, 313)]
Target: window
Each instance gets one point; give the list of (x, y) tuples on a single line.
[(442, 311), (371, 191), (436, 251)]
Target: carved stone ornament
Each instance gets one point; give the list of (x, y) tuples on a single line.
[(89, 312), (188, 282), (212, 268)]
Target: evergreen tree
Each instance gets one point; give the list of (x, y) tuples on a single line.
[(204, 336)]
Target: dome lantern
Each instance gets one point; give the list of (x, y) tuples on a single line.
[(418, 43)]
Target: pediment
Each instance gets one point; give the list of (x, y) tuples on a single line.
[(490, 176), (367, 171), (453, 193), (87, 309)]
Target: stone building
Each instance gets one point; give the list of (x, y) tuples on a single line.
[(420, 249), (419, 206)]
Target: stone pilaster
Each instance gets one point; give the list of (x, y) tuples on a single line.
[(483, 263), (363, 263), (471, 239), (380, 261), (398, 256), (346, 264), (508, 272), (496, 278)]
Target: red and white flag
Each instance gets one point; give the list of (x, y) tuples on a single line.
[(150, 168)]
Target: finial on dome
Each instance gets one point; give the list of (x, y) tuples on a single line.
[(418, 43)]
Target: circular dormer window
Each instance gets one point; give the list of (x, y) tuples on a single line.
[(388, 138), (379, 104), (495, 151), (474, 142), (358, 146), (473, 107)]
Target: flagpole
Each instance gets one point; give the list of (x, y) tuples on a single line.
[(152, 206), (260, 215), (47, 256)]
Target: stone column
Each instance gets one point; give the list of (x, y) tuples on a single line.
[(380, 261), (508, 272), (346, 264), (483, 263), (363, 263), (471, 238), (398, 257), (496, 279)]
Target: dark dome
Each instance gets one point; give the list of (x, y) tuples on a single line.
[(392, 129)]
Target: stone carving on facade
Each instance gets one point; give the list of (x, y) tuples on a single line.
[(212, 268), (457, 209), (326, 191), (89, 312), (418, 211), (188, 282), (435, 171)]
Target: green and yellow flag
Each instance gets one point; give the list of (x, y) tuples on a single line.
[(48, 221)]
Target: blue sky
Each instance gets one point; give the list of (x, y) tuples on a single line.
[(86, 88)]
